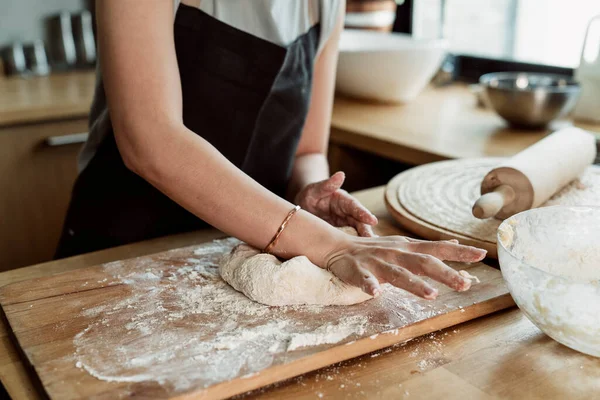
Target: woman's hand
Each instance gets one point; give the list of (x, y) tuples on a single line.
[(368, 262), (327, 201)]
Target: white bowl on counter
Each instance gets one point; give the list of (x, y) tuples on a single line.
[(386, 67), (550, 260)]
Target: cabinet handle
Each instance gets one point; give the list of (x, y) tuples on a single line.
[(67, 139)]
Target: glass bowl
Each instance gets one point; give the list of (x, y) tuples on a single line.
[(550, 260)]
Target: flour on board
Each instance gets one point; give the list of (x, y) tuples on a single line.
[(174, 321), (146, 336)]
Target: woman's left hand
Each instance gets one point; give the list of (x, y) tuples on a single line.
[(327, 201)]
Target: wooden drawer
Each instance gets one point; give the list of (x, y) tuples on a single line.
[(35, 187)]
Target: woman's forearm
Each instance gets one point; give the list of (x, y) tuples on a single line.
[(194, 174), (308, 168), (145, 107), (311, 163), (197, 176)]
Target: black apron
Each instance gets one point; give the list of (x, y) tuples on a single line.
[(246, 96)]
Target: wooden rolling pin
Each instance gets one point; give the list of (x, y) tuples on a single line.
[(534, 175)]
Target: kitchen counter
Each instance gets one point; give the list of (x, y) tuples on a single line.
[(500, 355), (57, 96), (441, 123)]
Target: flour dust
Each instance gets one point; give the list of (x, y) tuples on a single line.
[(174, 321)]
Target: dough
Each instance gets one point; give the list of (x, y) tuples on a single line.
[(267, 280), (467, 275)]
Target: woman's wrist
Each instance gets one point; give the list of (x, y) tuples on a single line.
[(330, 246), (312, 237)]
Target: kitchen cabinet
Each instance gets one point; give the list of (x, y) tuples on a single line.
[(35, 187)]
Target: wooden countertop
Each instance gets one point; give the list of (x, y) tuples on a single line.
[(498, 356), (57, 96), (441, 123)]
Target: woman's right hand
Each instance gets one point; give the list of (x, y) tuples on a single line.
[(398, 260)]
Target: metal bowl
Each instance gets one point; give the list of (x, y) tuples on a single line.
[(550, 260), (530, 100)]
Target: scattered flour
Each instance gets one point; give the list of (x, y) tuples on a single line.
[(174, 321), (180, 325), (354, 325)]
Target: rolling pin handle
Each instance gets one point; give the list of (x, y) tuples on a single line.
[(491, 203)]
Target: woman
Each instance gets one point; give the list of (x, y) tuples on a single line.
[(216, 118)]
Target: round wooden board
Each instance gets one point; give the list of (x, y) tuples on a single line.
[(434, 200), (423, 228)]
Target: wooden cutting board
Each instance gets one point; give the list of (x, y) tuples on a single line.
[(435, 200), (167, 326)]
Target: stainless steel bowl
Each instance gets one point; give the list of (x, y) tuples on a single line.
[(530, 100)]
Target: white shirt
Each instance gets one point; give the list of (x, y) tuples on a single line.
[(277, 21)]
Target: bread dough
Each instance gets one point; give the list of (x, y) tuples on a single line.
[(467, 275), (267, 280)]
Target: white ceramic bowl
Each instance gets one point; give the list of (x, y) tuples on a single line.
[(388, 67), (550, 260)]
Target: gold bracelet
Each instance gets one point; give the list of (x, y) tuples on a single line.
[(280, 230)]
